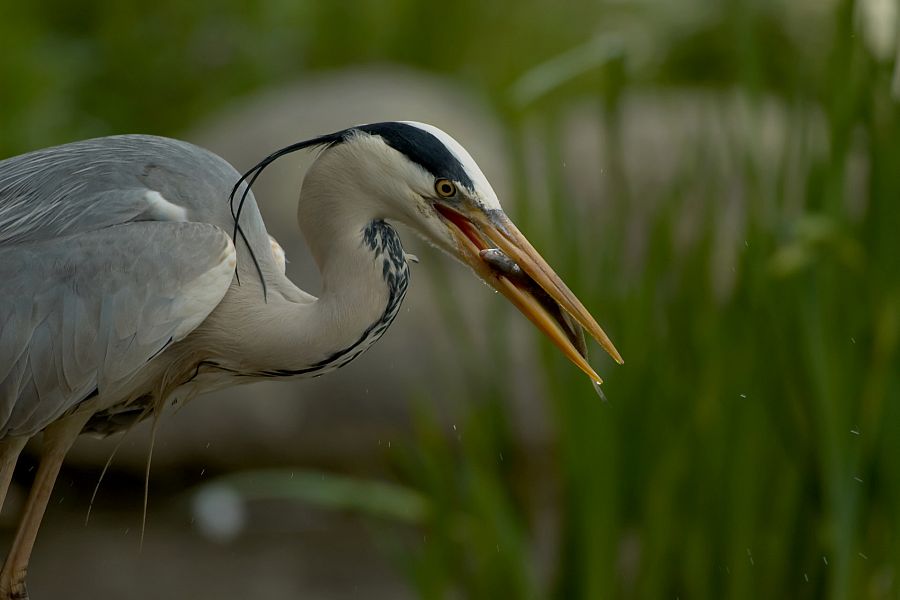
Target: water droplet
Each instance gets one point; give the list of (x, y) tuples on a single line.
[(806, 577), (852, 340), (863, 556), (858, 479), (599, 390), (743, 395), (854, 432), (825, 560)]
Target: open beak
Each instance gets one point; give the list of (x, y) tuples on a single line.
[(498, 252)]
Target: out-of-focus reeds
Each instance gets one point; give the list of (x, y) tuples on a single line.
[(751, 446)]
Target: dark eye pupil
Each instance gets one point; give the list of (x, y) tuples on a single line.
[(446, 188)]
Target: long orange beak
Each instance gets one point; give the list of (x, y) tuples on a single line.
[(478, 233)]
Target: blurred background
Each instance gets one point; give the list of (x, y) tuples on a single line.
[(718, 180)]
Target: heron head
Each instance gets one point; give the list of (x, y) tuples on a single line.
[(435, 187), (420, 176)]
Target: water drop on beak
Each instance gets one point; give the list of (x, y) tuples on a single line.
[(599, 390)]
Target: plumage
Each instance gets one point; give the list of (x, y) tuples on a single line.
[(137, 269), (99, 271), (96, 317)]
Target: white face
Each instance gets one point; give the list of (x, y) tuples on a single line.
[(410, 191)]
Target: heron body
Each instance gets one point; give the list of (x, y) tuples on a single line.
[(123, 284)]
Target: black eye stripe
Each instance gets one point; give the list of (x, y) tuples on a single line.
[(422, 148)]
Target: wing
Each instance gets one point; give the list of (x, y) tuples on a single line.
[(87, 312), (86, 186), (97, 184)]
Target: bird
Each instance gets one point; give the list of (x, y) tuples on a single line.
[(136, 270)]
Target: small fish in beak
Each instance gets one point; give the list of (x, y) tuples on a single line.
[(498, 252), (507, 267)]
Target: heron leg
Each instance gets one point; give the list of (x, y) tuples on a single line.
[(58, 438), (9, 455)]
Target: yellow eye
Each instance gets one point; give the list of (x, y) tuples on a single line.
[(445, 188)]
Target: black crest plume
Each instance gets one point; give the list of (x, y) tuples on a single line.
[(249, 178)]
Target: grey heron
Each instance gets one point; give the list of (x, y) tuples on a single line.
[(134, 269)]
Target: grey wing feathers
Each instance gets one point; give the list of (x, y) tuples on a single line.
[(90, 185), (87, 311)]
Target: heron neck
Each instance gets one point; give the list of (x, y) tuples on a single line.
[(364, 280)]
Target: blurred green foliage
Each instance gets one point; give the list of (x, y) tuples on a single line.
[(72, 70), (752, 445)]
